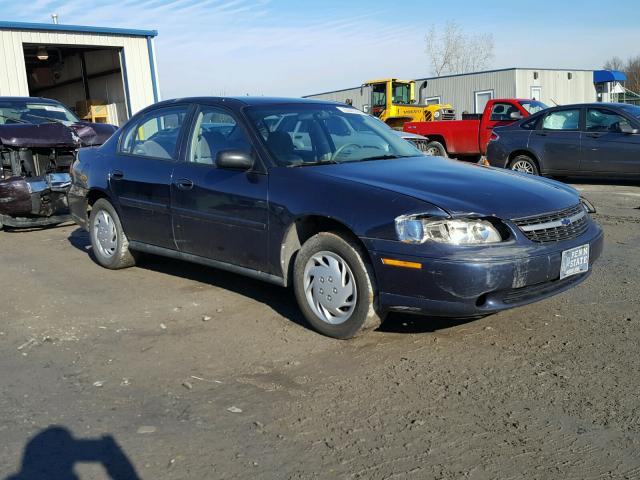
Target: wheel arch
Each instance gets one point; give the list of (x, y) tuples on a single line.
[(303, 228), (527, 153), (439, 139)]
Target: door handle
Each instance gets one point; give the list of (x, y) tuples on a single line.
[(594, 135), (117, 174), (184, 184), (541, 134)]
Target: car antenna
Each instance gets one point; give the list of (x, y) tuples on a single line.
[(556, 103)]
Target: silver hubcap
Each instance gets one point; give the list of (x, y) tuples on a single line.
[(104, 231), (522, 166), (432, 151), (330, 288)]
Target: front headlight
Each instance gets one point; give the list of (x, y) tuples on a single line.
[(466, 231), (437, 114)]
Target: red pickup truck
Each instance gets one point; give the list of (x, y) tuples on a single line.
[(469, 136)]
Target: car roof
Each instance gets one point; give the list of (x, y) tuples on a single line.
[(591, 104), (249, 101)]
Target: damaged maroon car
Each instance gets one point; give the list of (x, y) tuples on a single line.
[(39, 140)]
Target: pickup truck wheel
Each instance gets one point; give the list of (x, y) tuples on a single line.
[(335, 286), (524, 164), (435, 149), (109, 243)]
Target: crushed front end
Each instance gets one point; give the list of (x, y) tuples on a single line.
[(35, 161)]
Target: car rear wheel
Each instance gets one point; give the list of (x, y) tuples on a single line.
[(524, 164), (335, 287), (109, 243), (435, 149)]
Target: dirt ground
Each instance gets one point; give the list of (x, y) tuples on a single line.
[(176, 371)]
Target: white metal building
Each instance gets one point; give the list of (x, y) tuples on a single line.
[(470, 92), (80, 65)]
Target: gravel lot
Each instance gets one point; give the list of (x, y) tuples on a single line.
[(177, 371)]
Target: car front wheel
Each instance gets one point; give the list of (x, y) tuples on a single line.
[(335, 286), (524, 164), (435, 149), (109, 243)]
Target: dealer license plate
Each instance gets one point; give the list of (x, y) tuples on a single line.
[(574, 261)]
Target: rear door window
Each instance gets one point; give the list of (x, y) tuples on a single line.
[(156, 134), (562, 120)]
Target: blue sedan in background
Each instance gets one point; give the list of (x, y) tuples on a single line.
[(358, 224)]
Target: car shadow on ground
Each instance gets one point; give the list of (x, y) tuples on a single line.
[(405, 323), (53, 452), (281, 300)]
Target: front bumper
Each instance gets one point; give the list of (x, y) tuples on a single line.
[(34, 201), (473, 286)]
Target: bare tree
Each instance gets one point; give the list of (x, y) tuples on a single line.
[(615, 63), (631, 69), (452, 51)]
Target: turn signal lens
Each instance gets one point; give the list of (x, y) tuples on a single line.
[(401, 263)]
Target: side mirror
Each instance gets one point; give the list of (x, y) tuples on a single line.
[(234, 159), (515, 116), (628, 129)]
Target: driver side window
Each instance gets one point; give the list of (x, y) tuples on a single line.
[(600, 120), (216, 130)]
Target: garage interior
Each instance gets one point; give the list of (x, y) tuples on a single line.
[(87, 79)]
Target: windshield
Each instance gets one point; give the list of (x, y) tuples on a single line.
[(35, 113), (632, 110), (533, 106), (401, 93), (310, 134)]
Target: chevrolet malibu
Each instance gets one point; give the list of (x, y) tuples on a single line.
[(355, 219)]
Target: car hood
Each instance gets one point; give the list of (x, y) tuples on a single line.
[(55, 135), (460, 188)]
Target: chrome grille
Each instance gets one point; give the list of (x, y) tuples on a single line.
[(419, 143), (448, 114), (556, 226)]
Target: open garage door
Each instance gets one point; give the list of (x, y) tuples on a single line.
[(88, 80)]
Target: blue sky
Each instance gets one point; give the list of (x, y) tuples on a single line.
[(292, 48)]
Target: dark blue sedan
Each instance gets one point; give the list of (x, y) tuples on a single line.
[(321, 197)]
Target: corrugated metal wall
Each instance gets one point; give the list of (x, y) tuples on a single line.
[(354, 94), (13, 77), (460, 90), (556, 87)]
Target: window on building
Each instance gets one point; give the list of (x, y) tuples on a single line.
[(481, 99)]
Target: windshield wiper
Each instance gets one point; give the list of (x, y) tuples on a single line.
[(381, 157), (311, 164), (51, 120), (18, 120)]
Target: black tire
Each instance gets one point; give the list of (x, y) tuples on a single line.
[(364, 315), (436, 149), (522, 162), (121, 257)]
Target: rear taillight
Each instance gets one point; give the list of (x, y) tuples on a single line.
[(494, 136)]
